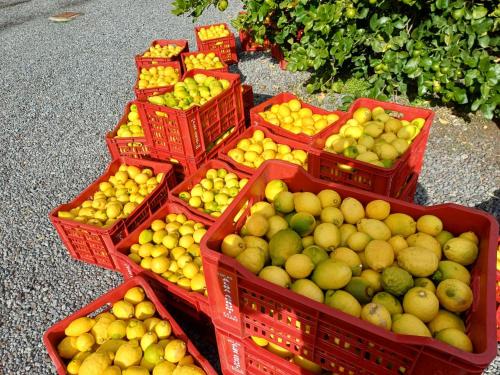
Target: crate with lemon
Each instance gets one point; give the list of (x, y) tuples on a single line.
[(328, 266), (286, 115), (258, 144), (127, 331)]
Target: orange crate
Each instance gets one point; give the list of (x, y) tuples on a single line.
[(55, 334), (164, 42), (190, 302), (385, 181), (129, 147), (143, 94), (246, 305), (256, 119), (195, 178), (93, 244), (225, 68), (177, 133), (226, 46)]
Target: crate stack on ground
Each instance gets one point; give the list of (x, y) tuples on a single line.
[(214, 161)]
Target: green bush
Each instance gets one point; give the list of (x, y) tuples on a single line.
[(439, 50)]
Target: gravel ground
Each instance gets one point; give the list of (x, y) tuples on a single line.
[(63, 86)]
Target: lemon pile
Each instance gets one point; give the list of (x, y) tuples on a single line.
[(286, 354), (117, 198), (171, 249), (157, 76), (191, 91), (130, 339), (252, 152), (213, 32), (374, 137), (405, 275), (170, 50), (133, 128), (202, 61), (214, 193), (292, 117)]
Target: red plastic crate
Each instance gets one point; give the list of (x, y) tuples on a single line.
[(187, 134), (243, 356), (498, 273), (407, 192), (195, 178), (276, 138), (246, 305), (247, 101), (186, 166), (386, 181), (188, 301), (163, 42), (143, 94), (277, 53), (249, 45), (498, 323), (284, 97), (226, 46), (130, 147), (225, 68), (55, 334), (498, 287), (93, 244)]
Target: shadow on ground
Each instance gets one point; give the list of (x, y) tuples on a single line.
[(492, 205), (421, 196)]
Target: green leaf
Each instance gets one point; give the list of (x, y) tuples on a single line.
[(442, 4), (482, 26), (485, 90), (484, 41), (263, 11), (374, 22), (471, 61), (411, 65), (487, 109), (479, 12), (474, 107), (460, 95), (484, 63), (470, 76), (493, 75)]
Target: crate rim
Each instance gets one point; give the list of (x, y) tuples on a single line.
[(183, 55), (198, 28), (179, 42), (118, 250), (310, 138), (234, 80), (223, 153), (353, 162), (104, 300), (174, 193), (421, 343), (90, 188)]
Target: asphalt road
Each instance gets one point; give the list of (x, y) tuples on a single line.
[(63, 86)]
